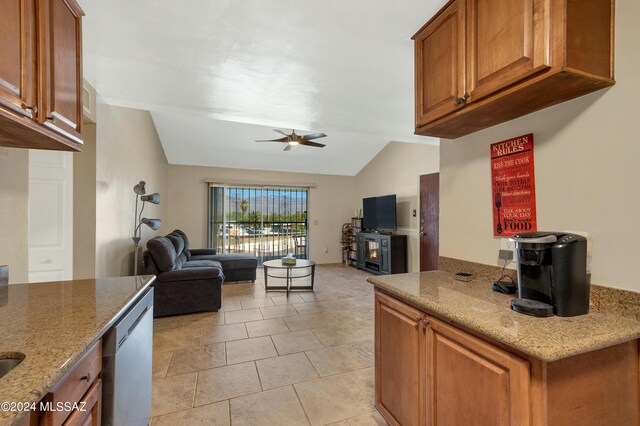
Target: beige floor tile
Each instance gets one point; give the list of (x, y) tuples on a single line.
[(250, 349), (207, 415), (201, 319), (266, 327), (278, 311), (229, 304), (371, 419), (299, 341), (252, 302), (227, 382), (339, 359), (303, 322), (279, 407), (284, 300), (196, 359), (160, 364), (332, 399), (242, 316), (285, 370), (333, 336), (177, 338), (172, 394), (366, 380), (224, 333)]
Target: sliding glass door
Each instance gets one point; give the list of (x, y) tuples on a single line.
[(267, 222)]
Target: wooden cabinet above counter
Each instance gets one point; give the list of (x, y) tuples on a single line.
[(481, 63), (41, 74)]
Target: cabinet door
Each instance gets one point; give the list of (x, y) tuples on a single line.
[(472, 382), (17, 65), (507, 41), (60, 59), (440, 65), (90, 412), (399, 361)]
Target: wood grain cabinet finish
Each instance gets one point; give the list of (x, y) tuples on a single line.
[(513, 57), (399, 361), (41, 74), (472, 382), (430, 372), (91, 413)]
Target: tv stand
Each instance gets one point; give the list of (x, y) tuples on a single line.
[(381, 254)]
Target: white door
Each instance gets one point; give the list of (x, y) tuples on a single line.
[(50, 215)]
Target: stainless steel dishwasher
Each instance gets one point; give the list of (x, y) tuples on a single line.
[(126, 366)]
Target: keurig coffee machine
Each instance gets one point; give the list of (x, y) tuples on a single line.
[(552, 274)]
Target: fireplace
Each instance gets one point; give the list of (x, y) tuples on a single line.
[(372, 250)]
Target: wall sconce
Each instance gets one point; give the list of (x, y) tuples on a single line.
[(154, 224)]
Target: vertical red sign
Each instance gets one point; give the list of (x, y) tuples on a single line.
[(513, 186)]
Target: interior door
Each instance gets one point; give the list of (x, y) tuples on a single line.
[(429, 221), (506, 42), (50, 215)]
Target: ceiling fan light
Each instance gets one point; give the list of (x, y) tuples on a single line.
[(294, 143)]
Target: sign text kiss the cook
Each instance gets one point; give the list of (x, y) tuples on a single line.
[(513, 186)]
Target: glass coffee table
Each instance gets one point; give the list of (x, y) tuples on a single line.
[(276, 269)]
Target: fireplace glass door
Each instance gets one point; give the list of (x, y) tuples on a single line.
[(372, 250)]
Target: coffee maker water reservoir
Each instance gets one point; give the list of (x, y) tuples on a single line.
[(552, 274)]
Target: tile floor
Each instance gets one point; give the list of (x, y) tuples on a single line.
[(266, 359)]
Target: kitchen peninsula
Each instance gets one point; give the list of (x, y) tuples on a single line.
[(452, 352), (57, 327)]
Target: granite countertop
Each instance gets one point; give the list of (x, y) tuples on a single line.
[(475, 306), (53, 324)]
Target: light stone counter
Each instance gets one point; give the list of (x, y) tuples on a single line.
[(475, 306), (53, 324)]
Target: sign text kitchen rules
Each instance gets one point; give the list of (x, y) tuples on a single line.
[(513, 186)]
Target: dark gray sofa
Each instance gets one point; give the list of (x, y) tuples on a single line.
[(190, 280)]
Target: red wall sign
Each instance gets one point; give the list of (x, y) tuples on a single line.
[(513, 186)]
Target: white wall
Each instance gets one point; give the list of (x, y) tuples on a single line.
[(396, 170), (128, 150), (330, 203), (586, 165), (14, 212)]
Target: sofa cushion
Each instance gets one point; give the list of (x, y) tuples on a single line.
[(236, 260), (163, 252), (202, 264), (185, 240), (178, 244), (190, 274)]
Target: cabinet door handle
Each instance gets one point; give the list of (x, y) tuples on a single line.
[(425, 323), (87, 377), (462, 100), (418, 320)]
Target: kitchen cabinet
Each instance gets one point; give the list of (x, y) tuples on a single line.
[(399, 362), (80, 386), (41, 74), (473, 382), (431, 372), (481, 63)]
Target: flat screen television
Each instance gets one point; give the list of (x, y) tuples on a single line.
[(379, 213)]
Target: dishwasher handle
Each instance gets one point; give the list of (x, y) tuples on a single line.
[(127, 323)]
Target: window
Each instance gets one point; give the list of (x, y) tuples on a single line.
[(267, 222)]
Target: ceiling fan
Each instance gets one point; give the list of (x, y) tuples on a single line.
[(294, 139)]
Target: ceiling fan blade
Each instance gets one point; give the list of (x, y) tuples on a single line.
[(314, 136), (287, 148), (285, 139), (280, 131), (309, 143)]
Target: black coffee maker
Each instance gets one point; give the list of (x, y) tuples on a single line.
[(552, 274)]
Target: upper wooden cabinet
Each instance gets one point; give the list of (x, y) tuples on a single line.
[(483, 62), (41, 74)]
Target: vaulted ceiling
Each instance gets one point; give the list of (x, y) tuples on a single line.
[(218, 74)]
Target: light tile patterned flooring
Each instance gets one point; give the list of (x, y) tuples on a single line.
[(266, 359)]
